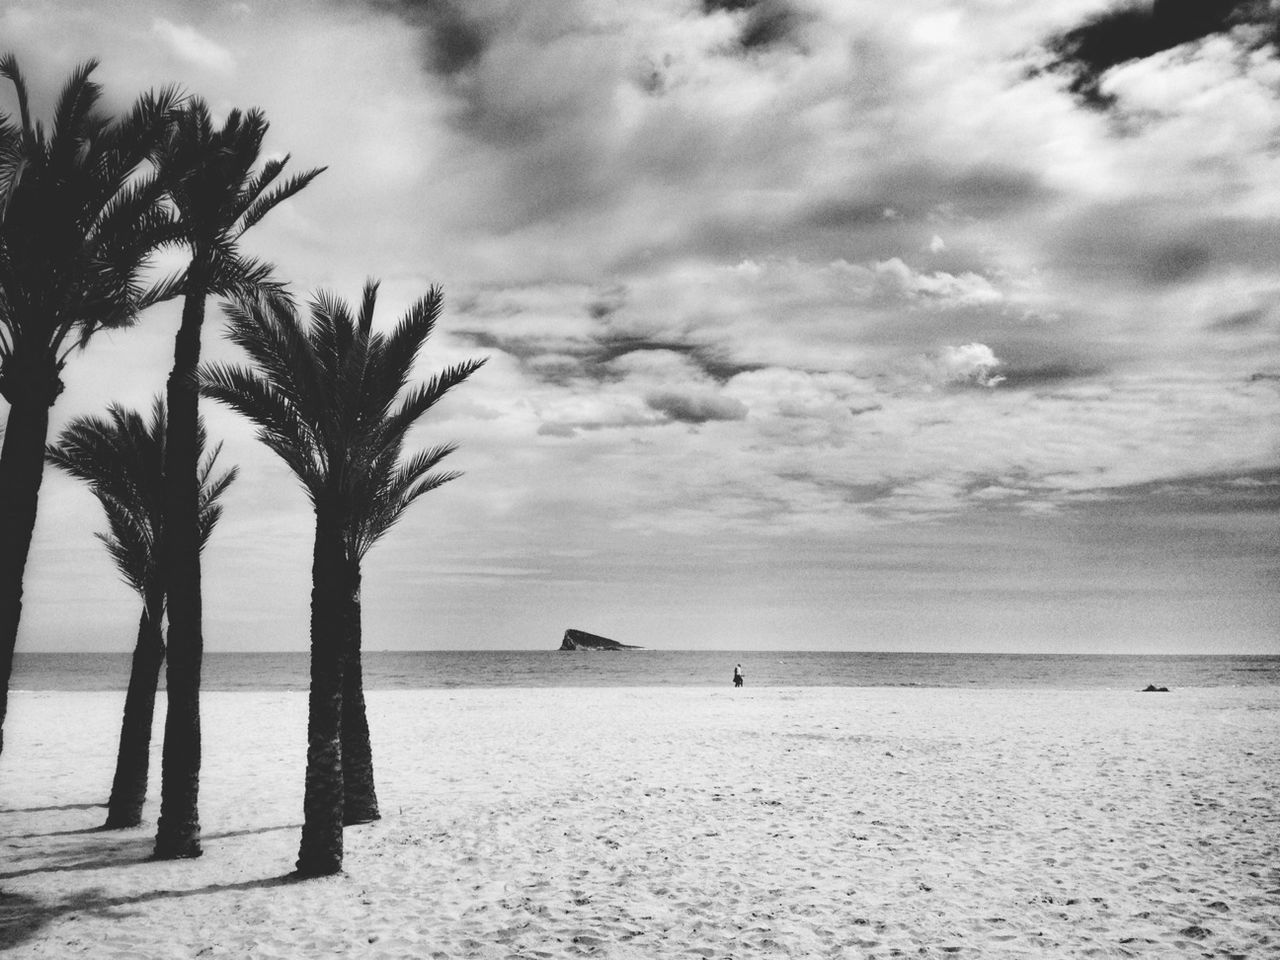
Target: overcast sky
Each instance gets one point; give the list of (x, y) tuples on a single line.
[(925, 325)]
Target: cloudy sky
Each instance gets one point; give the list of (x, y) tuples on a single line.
[(842, 324)]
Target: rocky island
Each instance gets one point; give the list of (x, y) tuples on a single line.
[(581, 640)]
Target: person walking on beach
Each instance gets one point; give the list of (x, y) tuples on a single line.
[(737, 675)]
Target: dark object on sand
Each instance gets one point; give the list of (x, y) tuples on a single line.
[(1152, 688), (581, 640)]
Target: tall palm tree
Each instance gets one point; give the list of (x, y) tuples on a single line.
[(212, 184), (121, 457), (80, 213), (332, 399)]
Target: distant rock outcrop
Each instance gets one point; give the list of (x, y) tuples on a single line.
[(581, 640)]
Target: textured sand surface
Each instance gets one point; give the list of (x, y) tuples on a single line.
[(636, 823)]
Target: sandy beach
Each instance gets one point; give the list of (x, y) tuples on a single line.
[(655, 822)]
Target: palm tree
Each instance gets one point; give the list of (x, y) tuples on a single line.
[(332, 399), (218, 195), (80, 214), (385, 495), (121, 457)]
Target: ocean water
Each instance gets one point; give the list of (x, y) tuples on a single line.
[(385, 670)]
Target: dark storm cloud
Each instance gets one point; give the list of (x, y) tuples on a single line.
[(565, 361), (1048, 374), (1158, 246), (452, 41), (1253, 491), (1135, 31), (1244, 320), (765, 22), (877, 217), (716, 366), (695, 407), (607, 304), (858, 493), (522, 348), (856, 213), (598, 332), (1178, 261), (557, 430), (912, 192)]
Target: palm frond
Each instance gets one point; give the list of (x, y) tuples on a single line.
[(10, 70), (237, 277), (393, 489), (279, 426), (12, 161), (130, 546), (406, 340), (211, 490), (242, 136), (132, 220), (421, 463), (254, 186), (121, 458), (329, 316), (273, 337), (166, 288), (214, 487), (265, 203), (110, 454), (80, 217), (421, 399), (74, 113), (149, 120)]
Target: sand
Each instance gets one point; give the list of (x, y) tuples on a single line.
[(642, 823)]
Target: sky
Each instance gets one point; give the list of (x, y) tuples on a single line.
[(817, 324)]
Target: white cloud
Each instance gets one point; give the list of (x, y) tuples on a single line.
[(970, 363), (943, 289), (191, 46)]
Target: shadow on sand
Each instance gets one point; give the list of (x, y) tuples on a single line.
[(23, 917), (115, 852), (65, 806), (52, 833)]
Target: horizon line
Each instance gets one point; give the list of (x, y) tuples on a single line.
[(734, 650)]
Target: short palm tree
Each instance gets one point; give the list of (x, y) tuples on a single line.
[(212, 183), (121, 457), (80, 214), (332, 399)]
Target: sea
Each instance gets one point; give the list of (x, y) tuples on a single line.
[(408, 670)]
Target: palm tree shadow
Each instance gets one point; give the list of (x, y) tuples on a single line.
[(228, 834), (119, 852), (87, 857), (57, 833), (64, 806), (23, 917)]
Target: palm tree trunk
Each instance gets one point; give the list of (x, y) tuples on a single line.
[(320, 852), (178, 830), (30, 388), (129, 788), (360, 799)]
